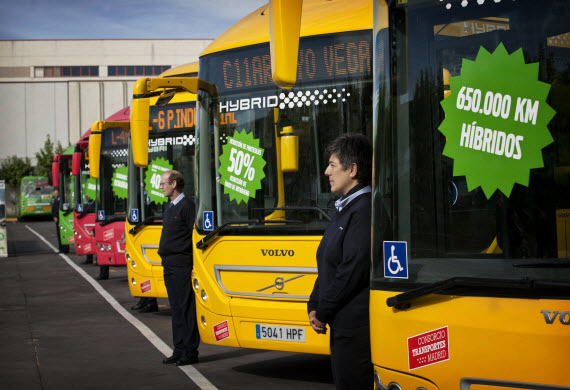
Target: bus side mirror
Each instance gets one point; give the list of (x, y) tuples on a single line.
[(284, 32), (139, 130), (55, 171), (289, 150), (94, 150), (76, 163)]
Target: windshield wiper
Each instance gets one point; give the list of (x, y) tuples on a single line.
[(216, 231), (144, 223), (114, 218), (399, 300), (559, 263), (298, 208)]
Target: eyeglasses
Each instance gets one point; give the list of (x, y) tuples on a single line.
[(165, 183)]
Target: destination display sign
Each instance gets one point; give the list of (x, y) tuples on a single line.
[(113, 138), (173, 116), (326, 57)]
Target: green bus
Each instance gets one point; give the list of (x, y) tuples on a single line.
[(36, 196)]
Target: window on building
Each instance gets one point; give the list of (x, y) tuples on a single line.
[(68, 71), (132, 70)]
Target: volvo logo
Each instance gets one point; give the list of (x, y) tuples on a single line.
[(278, 252), (550, 317), (280, 283)]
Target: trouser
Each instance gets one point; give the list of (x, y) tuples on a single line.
[(350, 358), (185, 335), (62, 248), (104, 271)]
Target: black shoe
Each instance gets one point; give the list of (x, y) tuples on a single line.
[(148, 309), (170, 360), (138, 306), (102, 277), (187, 361)]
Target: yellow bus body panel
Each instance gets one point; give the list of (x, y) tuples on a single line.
[(257, 280), (349, 15), (142, 249), (502, 339)]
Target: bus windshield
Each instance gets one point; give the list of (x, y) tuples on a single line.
[(171, 146), (37, 190), (113, 173), (241, 175), (464, 211)]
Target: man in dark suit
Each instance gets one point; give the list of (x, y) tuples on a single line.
[(175, 249), (55, 215)]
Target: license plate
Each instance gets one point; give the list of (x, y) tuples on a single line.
[(280, 333)]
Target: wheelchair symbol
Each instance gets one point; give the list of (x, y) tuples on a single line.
[(394, 259), (208, 217)]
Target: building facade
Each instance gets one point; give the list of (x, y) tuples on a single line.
[(60, 87)]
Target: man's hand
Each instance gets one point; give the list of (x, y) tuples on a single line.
[(55, 219), (318, 326)]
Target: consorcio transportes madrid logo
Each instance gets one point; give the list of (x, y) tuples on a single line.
[(241, 166), (496, 121)]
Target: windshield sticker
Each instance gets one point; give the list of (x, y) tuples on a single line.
[(241, 166), (152, 179), (91, 188), (396, 259), (120, 184), (496, 121)]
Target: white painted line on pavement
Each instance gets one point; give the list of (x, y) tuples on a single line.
[(189, 370)]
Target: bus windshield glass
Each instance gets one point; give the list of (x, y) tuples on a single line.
[(472, 155), (246, 166), (36, 191), (113, 173), (171, 146)]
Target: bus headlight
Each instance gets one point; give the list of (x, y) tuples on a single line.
[(203, 295), (108, 247), (196, 284), (133, 281), (79, 236), (133, 264), (203, 321), (128, 257)]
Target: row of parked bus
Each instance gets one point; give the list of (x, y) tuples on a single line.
[(470, 280)]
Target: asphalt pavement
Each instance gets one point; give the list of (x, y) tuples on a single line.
[(61, 329)]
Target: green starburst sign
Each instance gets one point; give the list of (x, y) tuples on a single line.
[(91, 188), (120, 183), (496, 121), (152, 179), (241, 166)]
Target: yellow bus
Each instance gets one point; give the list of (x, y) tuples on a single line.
[(263, 201), (470, 281), (170, 142)]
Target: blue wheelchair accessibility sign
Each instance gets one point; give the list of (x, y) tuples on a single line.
[(79, 208), (209, 220), (396, 259), (135, 215), (100, 215)]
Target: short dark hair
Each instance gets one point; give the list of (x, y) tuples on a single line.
[(353, 148), (175, 175)]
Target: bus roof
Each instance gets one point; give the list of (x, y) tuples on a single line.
[(190, 70), (120, 116), (348, 15)]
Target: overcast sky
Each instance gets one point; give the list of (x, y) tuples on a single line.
[(120, 19)]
